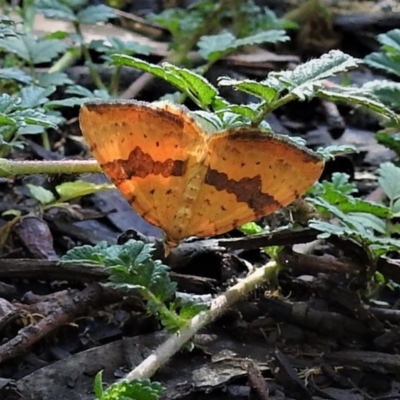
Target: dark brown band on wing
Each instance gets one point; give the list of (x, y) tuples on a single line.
[(247, 190), (140, 164)]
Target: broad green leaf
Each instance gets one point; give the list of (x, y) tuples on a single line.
[(214, 47), (54, 9), (384, 62), (15, 74), (390, 41), (258, 89), (303, 80), (35, 96), (198, 87), (88, 94), (194, 85), (94, 14), (142, 389), (358, 96), (72, 190), (331, 151), (53, 79), (33, 50), (388, 92), (116, 45), (389, 179), (369, 221), (155, 70), (7, 27), (391, 141), (42, 195), (251, 228), (98, 385)]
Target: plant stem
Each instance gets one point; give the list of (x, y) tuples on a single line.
[(163, 353), (10, 168), (85, 51)]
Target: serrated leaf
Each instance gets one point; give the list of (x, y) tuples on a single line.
[(251, 228), (94, 14), (387, 91), (88, 94), (303, 79), (213, 47), (116, 45), (331, 151), (369, 221), (35, 96), (136, 389), (390, 41), (358, 96), (15, 74), (258, 89), (389, 179), (195, 86), (54, 9), (198, 88), (7, 27), (155, 70), (53, 79), (383, 62), (32, 49), (391, 141), (86, 254), (73, 190), (396, 208), (42, 195)]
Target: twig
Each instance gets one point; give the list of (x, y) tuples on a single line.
[(218, 306), (10, 168)]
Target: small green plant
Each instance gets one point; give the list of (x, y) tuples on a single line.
[(388, 91), (131, 267), (370, 224), (137, 389)]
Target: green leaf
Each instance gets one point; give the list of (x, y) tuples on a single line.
[(88, 94), (98, 385), (35, 96), (72, 190), (391, 141), (258, 89), (15, 74), (94, 14), (214, 47), (302, 80), (331, 151), (195, 86), (116, 45), (388, 92), (198, 87), (389, 179), (359, 96), (369, 221), (54, 9), (53, 79), (251, 228), (390, 41), (33, 50), (7, 27), (136, 389), (86, 254), (43, 196), (384, 62)]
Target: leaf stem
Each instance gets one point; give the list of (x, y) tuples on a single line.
[(164, 352)]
